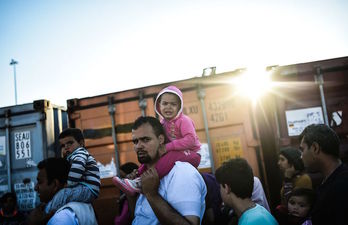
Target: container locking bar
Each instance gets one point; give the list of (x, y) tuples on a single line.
[(111, 108)]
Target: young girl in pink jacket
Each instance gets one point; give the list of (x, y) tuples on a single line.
[(180, 130)]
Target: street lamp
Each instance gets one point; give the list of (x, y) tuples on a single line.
[(14, 63)]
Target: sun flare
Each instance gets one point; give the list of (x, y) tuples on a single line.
[(253, 83)]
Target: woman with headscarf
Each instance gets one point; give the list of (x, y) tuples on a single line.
[(291, 165)]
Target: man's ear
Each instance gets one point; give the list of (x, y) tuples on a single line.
[(225, 188), (161, 139), (56, 185), (316, 148)]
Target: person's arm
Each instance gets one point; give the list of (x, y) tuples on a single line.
[(189, 137), (164, 212), (132, 200)]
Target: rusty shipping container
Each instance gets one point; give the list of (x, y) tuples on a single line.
[(224, 123), (305, 93), (227, 124)]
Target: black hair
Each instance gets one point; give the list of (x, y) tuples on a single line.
[(7, 195), (56, 168), (129, 167), (72, 132), (238, 175), (309, 194), (154, 123), (322, 134), (293, 155)]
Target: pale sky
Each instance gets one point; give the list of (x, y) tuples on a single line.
[(81, 48)]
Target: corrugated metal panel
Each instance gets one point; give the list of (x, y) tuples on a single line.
[(28, 134)]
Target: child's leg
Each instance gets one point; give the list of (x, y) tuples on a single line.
[(79, 193), (167, 161), (130, 186)]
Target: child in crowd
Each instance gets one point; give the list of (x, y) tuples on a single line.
[(299, 205), (83, 179), (180, 131), (291, 165), (9, 213)]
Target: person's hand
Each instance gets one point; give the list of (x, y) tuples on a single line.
[(38, 216), (150, 182), (290, 172), (132, 175)]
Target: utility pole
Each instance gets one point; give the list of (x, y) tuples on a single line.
[(14, 63)]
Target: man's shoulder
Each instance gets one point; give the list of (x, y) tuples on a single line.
[(341, 179), (83, 211), (64, 216), (184, 167), (336, 185), (257, 215), (182, 171)]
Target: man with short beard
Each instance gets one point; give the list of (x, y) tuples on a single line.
[(178, 198), (320, 146)]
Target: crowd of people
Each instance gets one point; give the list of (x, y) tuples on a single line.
[(167, 188)]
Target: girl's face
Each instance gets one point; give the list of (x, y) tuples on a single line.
[(298, 206), (283, 163), (169, 105)]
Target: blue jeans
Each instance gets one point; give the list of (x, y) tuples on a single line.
[(78, 193)]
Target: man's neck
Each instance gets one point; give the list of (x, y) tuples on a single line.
[(161, 152), (242, 205), (329, 166), (152, 163)]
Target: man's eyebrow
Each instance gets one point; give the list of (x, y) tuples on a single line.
[(140, 138), (144, 137)]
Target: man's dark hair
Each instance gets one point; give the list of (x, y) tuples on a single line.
[(56, 168), (72, 132), (155, 124), (309, 194), (238, 175), (7, 195), (322, 134)]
